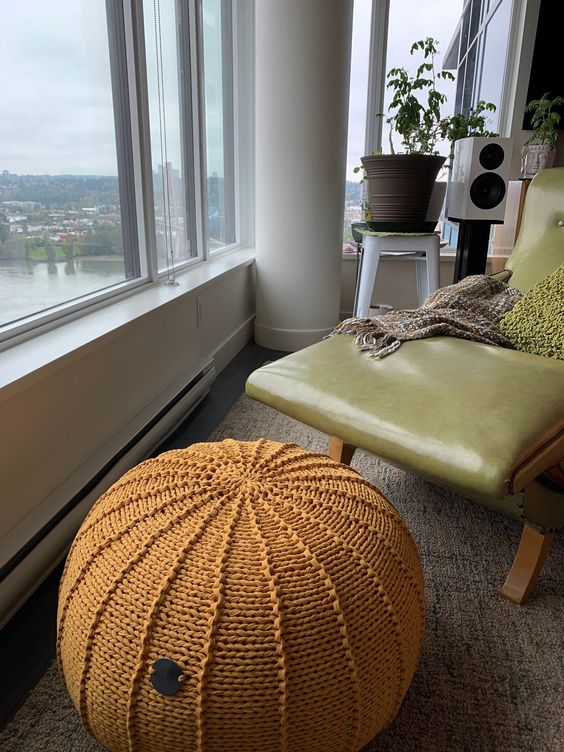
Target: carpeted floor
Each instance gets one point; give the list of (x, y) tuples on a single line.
[(491, 673)]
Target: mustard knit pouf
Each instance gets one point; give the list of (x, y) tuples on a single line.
[(240, 597)]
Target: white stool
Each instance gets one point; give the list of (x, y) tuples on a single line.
[(424, 249)]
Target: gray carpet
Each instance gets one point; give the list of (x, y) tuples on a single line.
[(491, 673)]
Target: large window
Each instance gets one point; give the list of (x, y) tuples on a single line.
[(406, 23), (117, 148), (360, 53), (481, 55), (61, 233), (167, 35), (409, 22), (495, 44)]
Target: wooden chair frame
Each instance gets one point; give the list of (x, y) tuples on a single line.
[(531, 553)]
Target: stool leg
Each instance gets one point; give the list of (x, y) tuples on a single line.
[(428, 268), (433, 264), (421, 272), (370, 259), (433, 259), (339, 451)]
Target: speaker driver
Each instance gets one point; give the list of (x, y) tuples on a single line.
[(491, 156), (487, 190)]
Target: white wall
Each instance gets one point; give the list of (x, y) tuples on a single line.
[(55, 420)]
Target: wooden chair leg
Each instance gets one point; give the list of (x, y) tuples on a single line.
[(527, 564), (340, 451)]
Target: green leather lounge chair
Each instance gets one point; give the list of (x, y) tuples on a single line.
[(482, 420)]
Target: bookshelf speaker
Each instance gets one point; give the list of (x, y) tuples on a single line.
[(480, 172)]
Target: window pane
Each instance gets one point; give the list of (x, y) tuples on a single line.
[(60, 221), (495, 52), (218, 89), (436, 18), (475, 23), (465, 39), (469, 79), (168, 81), (357, 117), (460, 86)]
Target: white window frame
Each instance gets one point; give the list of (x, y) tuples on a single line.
[(241, 22), (376, 74), (140, 178)]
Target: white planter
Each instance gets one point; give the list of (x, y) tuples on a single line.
[(536, 157)]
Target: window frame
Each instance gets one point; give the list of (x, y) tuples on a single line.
[(230, 40), (376, 74), (127, 43)]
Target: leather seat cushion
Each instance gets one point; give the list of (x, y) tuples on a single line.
[(457, 412)]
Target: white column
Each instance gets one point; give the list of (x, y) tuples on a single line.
[(302, 92)]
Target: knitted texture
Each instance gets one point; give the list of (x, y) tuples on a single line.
[(536, 324), (470, 309), (285, 588)]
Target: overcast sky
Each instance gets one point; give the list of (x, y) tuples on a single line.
[(410, 20), (56, 102), (56, 106)]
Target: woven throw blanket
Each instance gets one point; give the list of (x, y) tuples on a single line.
[(469, 309)]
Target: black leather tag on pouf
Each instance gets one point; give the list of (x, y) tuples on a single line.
[(165, 675)]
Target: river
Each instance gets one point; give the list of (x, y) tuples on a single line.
[(27, 287)]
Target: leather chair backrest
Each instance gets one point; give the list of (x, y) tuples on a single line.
[(539, 249)]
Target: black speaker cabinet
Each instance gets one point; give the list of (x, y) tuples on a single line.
[(480, 172)]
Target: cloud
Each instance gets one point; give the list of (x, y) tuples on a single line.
[(56, 114)]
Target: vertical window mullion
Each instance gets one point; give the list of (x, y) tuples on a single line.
[(169, 43), (243, 115), (228, 121), (187, 101), (141, 135), (199, 120), (124, 147), (216, 57), (376, 74)]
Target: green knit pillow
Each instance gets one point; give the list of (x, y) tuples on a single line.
[(536, 323)]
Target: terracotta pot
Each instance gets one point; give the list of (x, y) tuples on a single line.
[(400, 185)]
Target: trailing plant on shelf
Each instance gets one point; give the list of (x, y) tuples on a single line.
[(539, 150)]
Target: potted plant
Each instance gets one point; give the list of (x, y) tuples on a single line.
[(539, 150), (464, 126), (400, 185)]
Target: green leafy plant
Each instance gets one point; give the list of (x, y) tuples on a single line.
[(463, 126), (474, 124), (418, 123), (544, 120)]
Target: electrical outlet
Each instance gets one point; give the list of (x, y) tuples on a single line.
[(200, 310)]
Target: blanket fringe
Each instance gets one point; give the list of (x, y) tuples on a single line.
[(470, 309)]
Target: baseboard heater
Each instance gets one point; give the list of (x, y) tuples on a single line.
[(29, 561)]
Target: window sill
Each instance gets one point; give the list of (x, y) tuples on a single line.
[(29, 360)]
